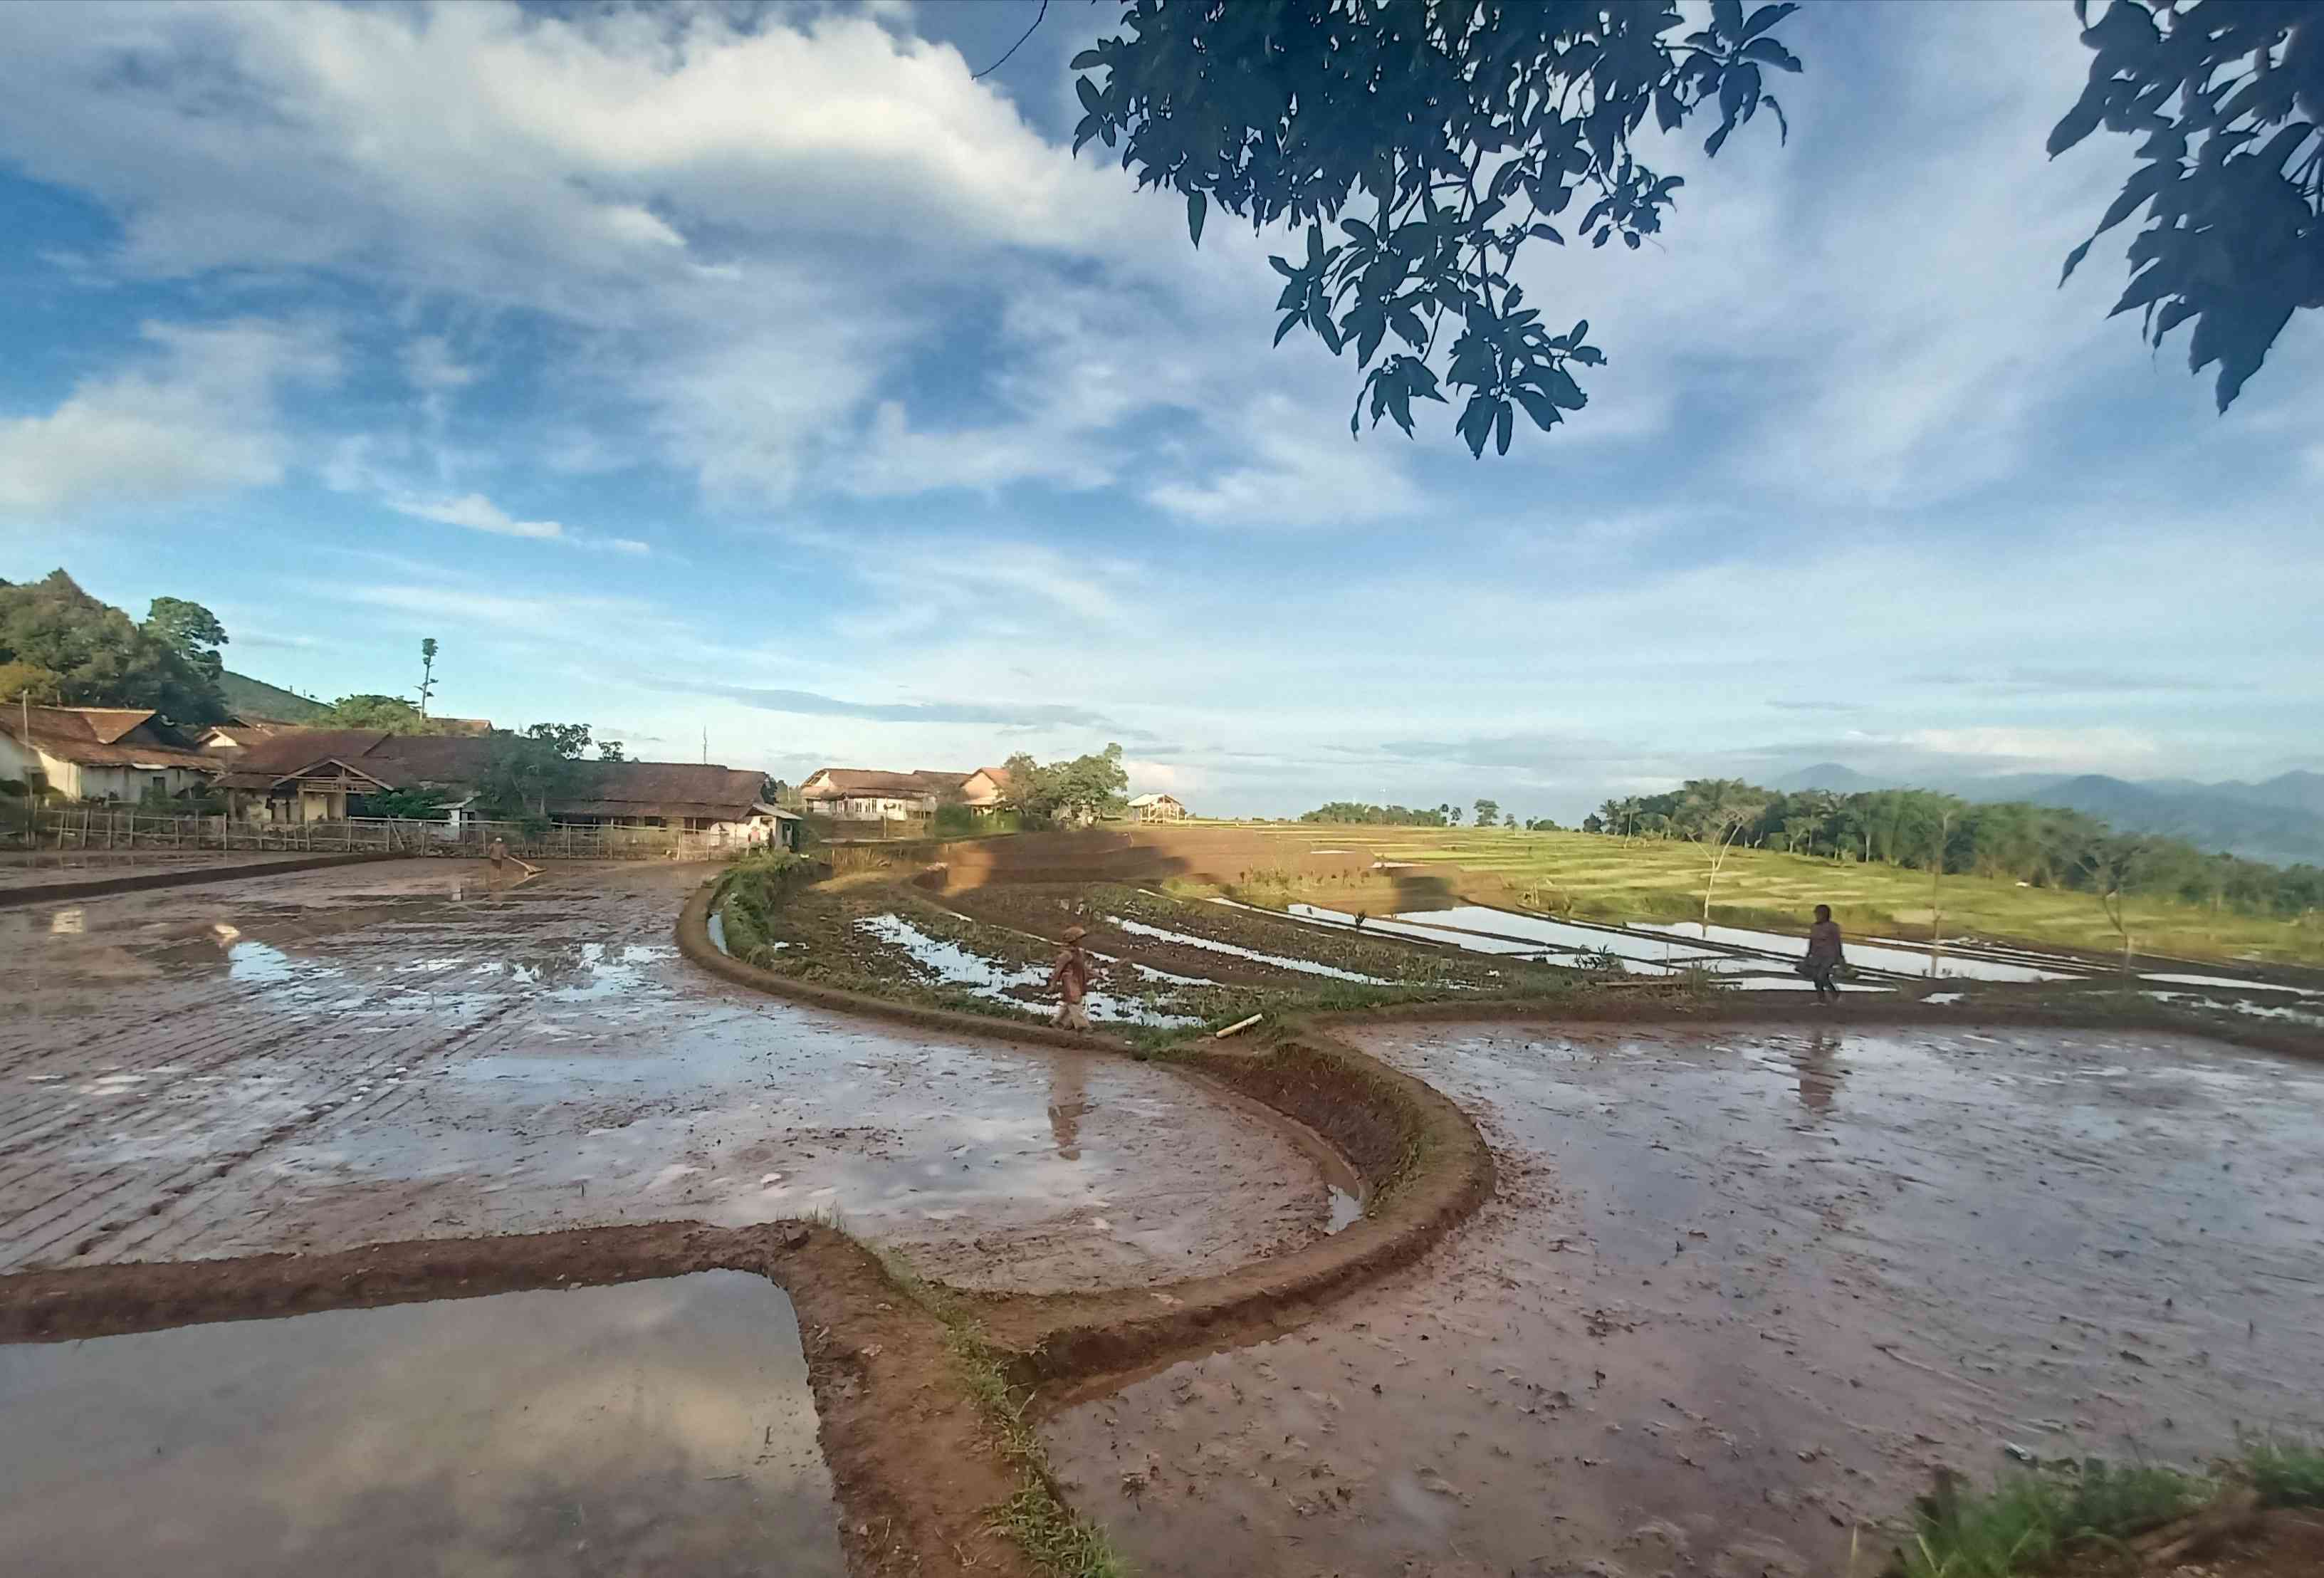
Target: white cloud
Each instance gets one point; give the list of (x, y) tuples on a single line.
[(478, 513), (1305, 470), (2003, 748), (198, 413)]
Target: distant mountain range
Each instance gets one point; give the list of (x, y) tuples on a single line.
[(254, 698), (2280, 819)]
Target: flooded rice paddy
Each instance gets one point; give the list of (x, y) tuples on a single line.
[(1741, 1292), (652, 1427), (385, 1052), (1022, 984)]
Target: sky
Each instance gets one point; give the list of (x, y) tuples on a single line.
[(760, 378)]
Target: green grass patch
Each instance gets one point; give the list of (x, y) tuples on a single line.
[(2034, 1519), (2031, 1519), (1602, 877), (2284, 1471), (1059, 1540)]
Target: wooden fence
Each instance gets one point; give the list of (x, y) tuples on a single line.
[(81, 830)]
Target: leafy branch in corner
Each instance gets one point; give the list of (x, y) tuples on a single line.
[(1422, 147)]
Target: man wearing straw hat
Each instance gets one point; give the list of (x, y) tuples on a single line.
[(1071, 977)]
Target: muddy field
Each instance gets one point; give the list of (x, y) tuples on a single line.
[(1165, 965), (397, 1051), (1740, 1293)]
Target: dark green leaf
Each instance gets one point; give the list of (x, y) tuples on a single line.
[(1766, 17), (2074, 261), (1769, 52), (1196, 207)]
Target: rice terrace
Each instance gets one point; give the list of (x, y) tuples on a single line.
[(1161, 788), (1513, 1230)]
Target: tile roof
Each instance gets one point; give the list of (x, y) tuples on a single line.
[(611, 789), (99, 736), (859, 780)]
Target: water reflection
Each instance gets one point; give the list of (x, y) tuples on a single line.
[(1069, 1084), (1820, 1072), (658, 1426)]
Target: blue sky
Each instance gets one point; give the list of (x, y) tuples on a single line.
[(760, 373)]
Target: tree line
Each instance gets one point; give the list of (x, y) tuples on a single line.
[(2043, 846), (1363, 814)]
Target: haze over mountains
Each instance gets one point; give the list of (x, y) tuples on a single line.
[(2280, 819)]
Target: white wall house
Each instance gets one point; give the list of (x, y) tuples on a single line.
[(98, 753)]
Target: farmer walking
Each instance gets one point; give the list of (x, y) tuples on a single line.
[(1824, 956), (1071, 977)]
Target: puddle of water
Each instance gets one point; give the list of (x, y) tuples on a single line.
[(997, 982), (1347, 1208), (653, 1426), (1513, 936), (718, 930), (1304, 967), (1901, 960), (2261, 1011), (2229, 982), (1792, 984)]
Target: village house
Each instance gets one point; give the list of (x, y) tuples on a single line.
[(312, 775), (100, 752), (985, 788), (1157, 809), (854, 794)]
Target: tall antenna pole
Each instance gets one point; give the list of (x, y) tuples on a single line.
[(706, 745)]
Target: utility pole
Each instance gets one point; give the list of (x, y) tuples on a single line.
[(427, 671), (706, 745)]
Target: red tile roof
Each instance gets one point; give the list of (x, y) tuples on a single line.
[(99, 736)]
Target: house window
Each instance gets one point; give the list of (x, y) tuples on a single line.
[(161, 784)]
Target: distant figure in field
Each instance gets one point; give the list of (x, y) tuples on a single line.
[(498, 854), (1071, 977), (1824, 956)]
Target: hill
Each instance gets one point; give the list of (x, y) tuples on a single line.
[(254, 698), (1832, 778), (2279, 820)]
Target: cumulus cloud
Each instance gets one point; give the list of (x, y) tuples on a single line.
[(196, 412)]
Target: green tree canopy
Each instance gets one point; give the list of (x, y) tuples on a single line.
[(529, 769), (100, 656), (2229, 101), (393, 714), (20, 680), (1082, 790), (1416, 148), (191, 630), (1420, 148)]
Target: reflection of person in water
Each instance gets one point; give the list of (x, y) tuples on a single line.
[(1820, 1072), (1069, 1081)]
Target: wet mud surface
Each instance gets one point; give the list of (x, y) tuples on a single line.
[(401, 1051), (656, 1427), (1741, 1292)]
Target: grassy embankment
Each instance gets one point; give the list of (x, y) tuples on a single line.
[(2040, 1520), (1604, 878)]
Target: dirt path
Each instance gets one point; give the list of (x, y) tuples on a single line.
[(337, 1057), (1740, 1292)]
